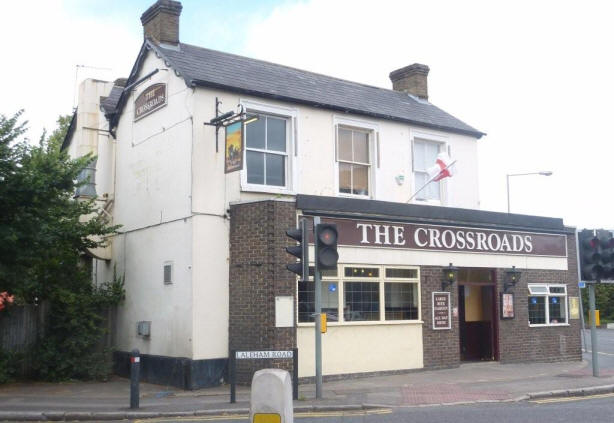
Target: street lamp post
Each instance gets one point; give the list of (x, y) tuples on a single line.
[(543, 173)]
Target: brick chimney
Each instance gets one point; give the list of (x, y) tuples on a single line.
[(411, 79), (161, 22)]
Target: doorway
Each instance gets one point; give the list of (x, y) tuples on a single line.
[(477, 315)]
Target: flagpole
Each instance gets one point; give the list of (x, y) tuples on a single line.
[(431, 180)]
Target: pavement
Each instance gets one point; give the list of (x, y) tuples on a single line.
[(471, 382)]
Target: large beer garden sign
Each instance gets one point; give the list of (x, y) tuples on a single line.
[(150, 100)]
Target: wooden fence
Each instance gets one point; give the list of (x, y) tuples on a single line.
[(21, 326)]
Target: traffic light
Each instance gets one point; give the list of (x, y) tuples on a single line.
[(300, 251), (591, 268), (606, 243), (326, 249)]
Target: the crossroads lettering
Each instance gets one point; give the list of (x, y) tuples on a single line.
[(150, 100), (447, 238), (263, 354)]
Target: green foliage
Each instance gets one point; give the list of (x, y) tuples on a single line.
[(604, 301), (70, 349), (43, 239), (9, 365)]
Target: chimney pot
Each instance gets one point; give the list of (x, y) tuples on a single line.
[(411, 79), (161, 22)]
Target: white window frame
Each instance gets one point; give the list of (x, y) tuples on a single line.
[(547, 295), (381, 280), (443, 142), (291, 116), (358, 125)]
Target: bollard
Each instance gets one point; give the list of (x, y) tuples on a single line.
[(135, 369), (271, 397)]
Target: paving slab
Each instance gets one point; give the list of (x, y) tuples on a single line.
[(471, 382)]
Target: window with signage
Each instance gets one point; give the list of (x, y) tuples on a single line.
[(354, 161), (425, 153), (266, 151), (547, 305), (363, 294)]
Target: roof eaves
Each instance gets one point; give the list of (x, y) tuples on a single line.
[(197, 82), (70, 131)]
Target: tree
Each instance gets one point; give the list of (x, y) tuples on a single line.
[(43, 239)]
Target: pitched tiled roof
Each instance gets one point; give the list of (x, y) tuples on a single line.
[(204, 67)]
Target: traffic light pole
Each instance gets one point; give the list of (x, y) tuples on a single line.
[(317, 278), (591, 304)]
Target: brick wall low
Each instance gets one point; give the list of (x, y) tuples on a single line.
[(441, 347), (519, 342), (257, 275)]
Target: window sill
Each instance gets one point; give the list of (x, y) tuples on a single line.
[(551, 325), (267, 189), (366, 323), (363, 197)]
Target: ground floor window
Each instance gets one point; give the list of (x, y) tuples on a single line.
[(357, 293), (547, 304)]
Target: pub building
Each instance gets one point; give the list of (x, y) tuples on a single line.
[(206, 158)]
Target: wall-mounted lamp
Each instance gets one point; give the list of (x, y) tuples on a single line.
[(450, 275), (512, 276)]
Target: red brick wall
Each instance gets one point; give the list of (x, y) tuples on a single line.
[(441, 347), (519, 342), (257, 275)]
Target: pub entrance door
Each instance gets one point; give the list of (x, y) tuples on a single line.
[(477, 314)]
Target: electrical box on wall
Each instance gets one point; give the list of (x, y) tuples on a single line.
[(143, 328)]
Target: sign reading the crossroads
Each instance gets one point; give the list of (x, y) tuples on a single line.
[(447, 238), (242, 355), (150, 100)]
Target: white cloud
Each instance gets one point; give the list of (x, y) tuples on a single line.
[(42, 44), (536, 76)]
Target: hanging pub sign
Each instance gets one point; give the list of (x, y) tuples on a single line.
[(507, 305), (150, 100), (441, 311), (233, 152)]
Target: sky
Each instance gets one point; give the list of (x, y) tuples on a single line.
[(536, 76)]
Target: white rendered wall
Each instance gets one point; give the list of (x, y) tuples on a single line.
[(313, 157), (210, 286), (91, 137), (168, 307), (153, 205), (374, 347)]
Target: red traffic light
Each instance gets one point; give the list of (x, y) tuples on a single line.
[(328, 235)]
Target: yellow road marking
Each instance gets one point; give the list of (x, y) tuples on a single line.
[(566, 399), (346, 413)]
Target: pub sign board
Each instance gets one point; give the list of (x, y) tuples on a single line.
[(151, 99), (507, 305), (442, 316), (418, 236), (233, 152)]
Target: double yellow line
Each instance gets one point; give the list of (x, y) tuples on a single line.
[(567, 399), (306, 414)]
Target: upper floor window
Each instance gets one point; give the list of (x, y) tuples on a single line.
[(266, 151), (354, 160), (425, 154)]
